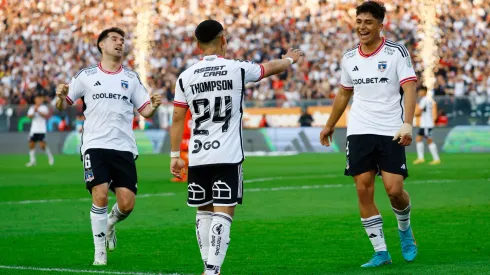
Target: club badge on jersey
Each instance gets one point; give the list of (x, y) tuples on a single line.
[(382, 65), (124, 84)]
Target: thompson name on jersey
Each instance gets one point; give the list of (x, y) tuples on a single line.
[(213, 90), (109, 100), (376, 78)]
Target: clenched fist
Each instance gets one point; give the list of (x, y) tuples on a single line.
[(62, 91), (156, 100)]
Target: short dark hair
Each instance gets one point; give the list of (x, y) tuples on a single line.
[(423, 88), (105, 33), (208, 30), (376, 9)]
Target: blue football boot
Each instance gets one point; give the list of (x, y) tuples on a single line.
[(408, 244), (379, 258)]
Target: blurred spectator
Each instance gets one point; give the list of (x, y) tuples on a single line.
[(305, 120), (263, 122), (45, 43)]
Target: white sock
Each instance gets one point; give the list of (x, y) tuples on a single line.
[(115, 216), (433, 151), (48, 152), (219, 239), (374, 229), (203, 224), (403, 217), (32, 155), (420, 150), (98, 217)]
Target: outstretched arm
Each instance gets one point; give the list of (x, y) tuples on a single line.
[(280, 65)]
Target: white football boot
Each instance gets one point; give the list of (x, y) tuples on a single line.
[(100, 258)]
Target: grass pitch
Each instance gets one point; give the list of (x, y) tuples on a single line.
[(299, 216)]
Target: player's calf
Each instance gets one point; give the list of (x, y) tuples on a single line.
[(204, 218), (120, 211), (219, 238), (98, 219)]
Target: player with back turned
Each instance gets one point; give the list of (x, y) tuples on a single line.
[(380, 76), (110, 93), (214, 89)]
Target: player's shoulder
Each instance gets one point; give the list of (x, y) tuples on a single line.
[(90, 70), (350, 53), (397, 47), (131, 74)]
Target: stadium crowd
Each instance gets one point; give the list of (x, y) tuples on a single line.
[(44, 43)]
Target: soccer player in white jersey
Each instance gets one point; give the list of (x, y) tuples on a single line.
[(426, 110), (380, 76), (214, 89), (110, 93), (39, 113)]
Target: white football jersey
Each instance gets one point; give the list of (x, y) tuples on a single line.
[(214, 89), (109, 99), (428, 106), (377, 106), (38, 123)]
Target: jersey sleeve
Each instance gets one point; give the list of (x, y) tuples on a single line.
[(179, 97), (404, 68), (140, 96), (253, 72), (30, 112), (345, 79), (75, 90)]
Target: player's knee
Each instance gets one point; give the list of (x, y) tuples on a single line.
[(126, 206), (42, 145), (99, 195), (419, 138), (429, 141), (395, 191)]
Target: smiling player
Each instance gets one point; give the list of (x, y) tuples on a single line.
[(380, 76)]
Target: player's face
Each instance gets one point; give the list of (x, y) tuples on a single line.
[(368, 28), (113, 45), (38, 100)]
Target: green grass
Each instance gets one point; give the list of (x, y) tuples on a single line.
[(276, 231)]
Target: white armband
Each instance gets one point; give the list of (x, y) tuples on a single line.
[(175, 154)]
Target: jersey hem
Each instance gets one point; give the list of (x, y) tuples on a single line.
[(68, 99), (181, 104), (408, 79), (374, 134), (262, 72), (143, 106), (213, 164)]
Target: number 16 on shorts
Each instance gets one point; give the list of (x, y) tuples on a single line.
[(87, 165)]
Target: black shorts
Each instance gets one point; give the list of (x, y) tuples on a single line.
[(37, 137), (425, 132), (220, 184), (375, 152), (118, 168)]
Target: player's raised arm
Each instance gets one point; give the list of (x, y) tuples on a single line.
[(280, 65), (61, 93)]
